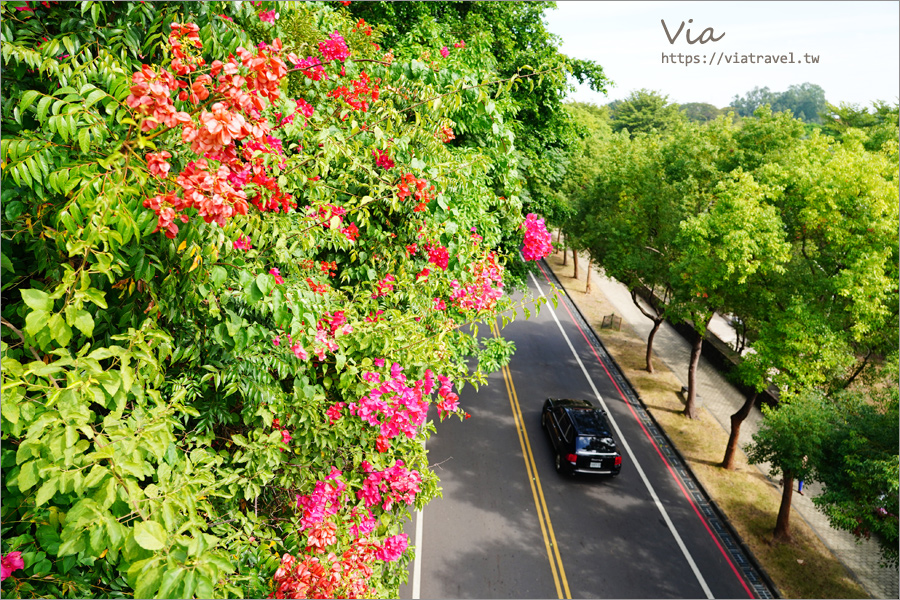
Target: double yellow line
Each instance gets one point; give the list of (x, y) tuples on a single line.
[(556, 564)]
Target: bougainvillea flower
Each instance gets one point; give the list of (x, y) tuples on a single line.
[(11, 562)]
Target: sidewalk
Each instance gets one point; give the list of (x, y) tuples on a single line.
[(721, 399)]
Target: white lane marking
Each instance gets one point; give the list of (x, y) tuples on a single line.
[(417, 567), (631, 455)]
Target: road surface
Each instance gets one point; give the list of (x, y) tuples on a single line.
[(508, 526)]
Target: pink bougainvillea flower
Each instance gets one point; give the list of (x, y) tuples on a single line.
[(286, 436), (11, 562), (537, 239), (299, 352), (445, 52), (278, 278), (243, 243), (393, 548), (268, 16), (277, 340), (334, 48), (379, 362)]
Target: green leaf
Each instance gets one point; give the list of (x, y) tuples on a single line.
[(217, 276), (170, 581), (35, 321), (37, 300), (59, 329), (43, 107), (28, 99), (96, 296), (84, 139), (150, 535), (94, 97), (148, 579), (83, 321), (264, 282), (5, 263), (47, 491), (14, 210), (28, 474)]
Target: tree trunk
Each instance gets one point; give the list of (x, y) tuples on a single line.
[(657, 319), (565, 252), (690, 409), (737, 419), (587, 286), (575, 260), (656, 323), (783, 523), (558, 235)]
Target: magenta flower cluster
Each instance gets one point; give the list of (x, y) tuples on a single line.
[(537, 238), (334, 48), (394, 485)]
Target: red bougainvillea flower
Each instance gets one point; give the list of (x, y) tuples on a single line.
[(351, 232), (385, 286), (11, 562), (334, 413), (383, 159), (445, 134), (157, 165), (459, 44), (439, 256), (382, 443), (363, 90), (278, 278)]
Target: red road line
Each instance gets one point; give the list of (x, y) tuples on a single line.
[(656, 447)]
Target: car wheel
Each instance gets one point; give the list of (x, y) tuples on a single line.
[(559, 467), (544, 420)]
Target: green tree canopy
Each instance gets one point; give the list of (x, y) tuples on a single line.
[(700, 112), (644, 111), (805, 101)]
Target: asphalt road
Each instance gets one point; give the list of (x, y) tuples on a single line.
[(508, 526)]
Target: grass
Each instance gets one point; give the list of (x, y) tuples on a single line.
[(802, 568)]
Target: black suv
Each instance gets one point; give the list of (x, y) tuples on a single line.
[(581, 438)]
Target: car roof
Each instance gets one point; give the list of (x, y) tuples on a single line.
[(570, 402), (588, 421)]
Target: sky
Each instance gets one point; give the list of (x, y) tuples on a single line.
[(857, 45)]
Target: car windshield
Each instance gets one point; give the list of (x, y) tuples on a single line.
[(590, 443)]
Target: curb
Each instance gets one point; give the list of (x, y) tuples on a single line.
[(712, 503)]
